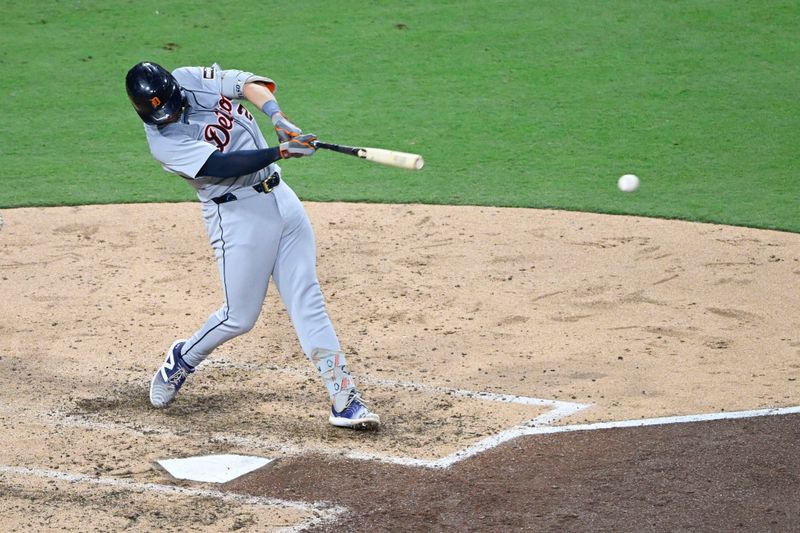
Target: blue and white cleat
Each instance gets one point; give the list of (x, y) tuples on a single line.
[(355, 414), (168, 379)]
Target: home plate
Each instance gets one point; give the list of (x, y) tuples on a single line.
[(212, 468)]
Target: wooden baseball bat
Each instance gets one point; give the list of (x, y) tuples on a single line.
[(377, 155)]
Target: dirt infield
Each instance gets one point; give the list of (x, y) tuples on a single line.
[(470, 329), (715, 476)]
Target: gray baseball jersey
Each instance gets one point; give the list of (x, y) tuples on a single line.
[(210, 122)]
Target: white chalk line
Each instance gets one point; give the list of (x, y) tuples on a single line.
[(540, 425), (59, 418), (390, 383), (558, 410), (321, 513), (483, 445), (561, 410), (488, 396), (661, 421)]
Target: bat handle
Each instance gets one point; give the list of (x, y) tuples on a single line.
[(327, 146), (336, 147)]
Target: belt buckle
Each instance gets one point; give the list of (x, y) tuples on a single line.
[(265, 186)]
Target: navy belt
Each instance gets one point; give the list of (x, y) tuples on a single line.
[(265, 186)]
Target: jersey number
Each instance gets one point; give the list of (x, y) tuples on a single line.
[(219, 134)]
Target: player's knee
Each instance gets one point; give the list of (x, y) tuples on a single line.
[(244, 328), (241, 323), (247, 325)]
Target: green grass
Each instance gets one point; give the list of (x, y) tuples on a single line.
[(512, 103)]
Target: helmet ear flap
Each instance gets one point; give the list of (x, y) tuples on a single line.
[(154, 92)]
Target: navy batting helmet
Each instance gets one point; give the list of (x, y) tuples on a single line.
[(154, 92)]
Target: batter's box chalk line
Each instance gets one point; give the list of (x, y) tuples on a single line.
[(557, 411), (320, 513), (540, 425)]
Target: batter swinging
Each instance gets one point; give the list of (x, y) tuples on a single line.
[(197, 128)]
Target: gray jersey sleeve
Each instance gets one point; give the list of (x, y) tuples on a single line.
[(176, 147)]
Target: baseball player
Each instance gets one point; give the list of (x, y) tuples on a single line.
[(197, 128)]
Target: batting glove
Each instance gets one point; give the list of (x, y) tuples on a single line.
[(300, 146), (284, 128)]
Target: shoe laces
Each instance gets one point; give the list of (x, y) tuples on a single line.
[(355, 397), (179, 376)]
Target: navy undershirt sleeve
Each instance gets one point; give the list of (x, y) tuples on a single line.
[(238, 163)]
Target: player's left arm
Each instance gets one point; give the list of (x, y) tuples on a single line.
[(260, 91), (260, 95), (240, 162)]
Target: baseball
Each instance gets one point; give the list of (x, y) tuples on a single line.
[(628, 183)]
